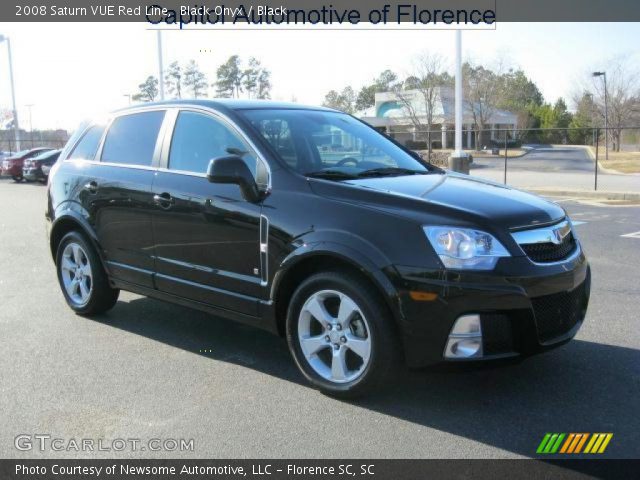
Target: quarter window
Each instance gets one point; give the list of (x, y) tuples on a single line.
[(198, 138), (88, 146), (132, 138)]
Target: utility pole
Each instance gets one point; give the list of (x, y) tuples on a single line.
[(606, 113), (160, 66), (30, 123), (29, 106), (459, 160), (458, 97), (16, 126)]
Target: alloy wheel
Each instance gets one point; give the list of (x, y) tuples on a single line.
[(334, 336), (76, 274)]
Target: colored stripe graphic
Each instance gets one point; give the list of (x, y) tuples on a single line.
[(581, 443), (551, 443), (604, 445), (573, 443), (598, 443), (567, 444), (543, 443)]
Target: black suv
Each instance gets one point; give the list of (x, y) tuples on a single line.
[(310, 224)]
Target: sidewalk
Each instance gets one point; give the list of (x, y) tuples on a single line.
[(560, 181)]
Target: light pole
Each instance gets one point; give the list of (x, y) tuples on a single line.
[(458, 161), (606, 113), (458, 97), (29, 106), (160, 67), (16, 127)]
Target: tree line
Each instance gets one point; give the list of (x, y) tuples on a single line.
[(487, 90), (233, 79)]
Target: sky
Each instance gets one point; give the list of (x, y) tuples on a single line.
[(71, 71)]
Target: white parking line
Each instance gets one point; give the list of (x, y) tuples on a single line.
[(631, 235), (575, 223)]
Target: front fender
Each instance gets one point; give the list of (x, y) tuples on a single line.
[(358, 253)]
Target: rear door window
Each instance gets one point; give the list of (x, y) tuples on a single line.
[(88, 146), (131, 139)]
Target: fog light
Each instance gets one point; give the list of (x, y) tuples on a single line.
[(465, 339), (467, 325)]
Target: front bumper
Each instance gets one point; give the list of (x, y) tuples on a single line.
[(525, 308), (33, 174), (13, 171)]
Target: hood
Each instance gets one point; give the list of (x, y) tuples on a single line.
[(467, 198)]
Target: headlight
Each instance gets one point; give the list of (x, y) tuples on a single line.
[(465, 249)]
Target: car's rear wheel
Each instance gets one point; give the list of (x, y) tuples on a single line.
[(82, 278), (341, 335)]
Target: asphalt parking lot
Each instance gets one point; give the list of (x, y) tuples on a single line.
[(153, 370)]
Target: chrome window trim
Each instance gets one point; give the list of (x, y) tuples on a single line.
[(165, 135), (552, 234), (110, 164)]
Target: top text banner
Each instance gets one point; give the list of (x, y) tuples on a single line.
[(317, 14)]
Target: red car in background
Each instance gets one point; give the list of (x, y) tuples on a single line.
[(12, 166)]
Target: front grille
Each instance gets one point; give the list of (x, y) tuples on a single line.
[(550, 252), (558, 313), (497, 336)]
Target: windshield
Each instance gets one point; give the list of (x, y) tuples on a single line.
[(331, 144), (46, 154), (21, 153)]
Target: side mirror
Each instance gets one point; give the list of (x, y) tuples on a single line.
[(232, 169)]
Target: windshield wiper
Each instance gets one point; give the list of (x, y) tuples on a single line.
[(390, 171), (331, 174)]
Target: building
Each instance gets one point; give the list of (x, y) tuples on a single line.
[(391, 115)]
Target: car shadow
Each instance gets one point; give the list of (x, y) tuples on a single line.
[(580, 387)]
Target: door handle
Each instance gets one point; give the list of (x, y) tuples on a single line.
[(164, 200), (92, 186)]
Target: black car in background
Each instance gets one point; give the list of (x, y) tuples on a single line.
[(37, 168), (310, 224)]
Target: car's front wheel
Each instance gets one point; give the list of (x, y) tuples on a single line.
[(83, 281), (341, 334), (17, 178)]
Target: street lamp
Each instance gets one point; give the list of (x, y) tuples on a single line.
[(16, 127), (160, 66), (30, 106), (606, 113)]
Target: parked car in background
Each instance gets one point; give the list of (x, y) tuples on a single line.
[(34, 168), (12, 166)]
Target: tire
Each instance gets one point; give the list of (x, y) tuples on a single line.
[(82, 278), (335, 360), (17, 178)]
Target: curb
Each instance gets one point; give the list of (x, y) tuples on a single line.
[(604, 195), (602, 169)]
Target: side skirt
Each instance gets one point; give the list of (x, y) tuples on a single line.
[(265, 322)]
